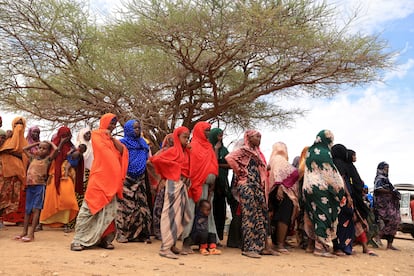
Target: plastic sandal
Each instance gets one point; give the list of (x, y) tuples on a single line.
[(214, 251), (27, 239), (371, 253), (204, 252), (168, 254), (76, 247), (323, 254)]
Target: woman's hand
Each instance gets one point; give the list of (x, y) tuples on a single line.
[(280, 194)]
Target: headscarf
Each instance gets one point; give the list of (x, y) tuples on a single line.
[(281, 171), (239, 159), (29, 138), (173, 162), (203, 160), (340, 158), (319, 153), (108, 170), (88, 154), (302, 161), (138, 150), (168, 141), (381, 179), (214, 133), (62, 133), (3, 132), (12, 165)]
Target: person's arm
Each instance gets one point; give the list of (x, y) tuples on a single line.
[(118, 145), (55, 150), (26, 150)]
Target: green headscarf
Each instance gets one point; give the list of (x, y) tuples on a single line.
[(213, 140), (2, 132), (320, 152)]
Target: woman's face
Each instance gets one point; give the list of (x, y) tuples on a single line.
[(35, 134), (137, 128), (255, 139), (220, 136), (87, 136), (184, 138), (112, 124), (207, 132)]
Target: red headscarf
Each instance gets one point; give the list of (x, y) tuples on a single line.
[(108, 169), (203, 160), (173, 162), (61, 157)]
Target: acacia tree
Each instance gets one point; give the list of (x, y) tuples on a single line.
[(178, 62)]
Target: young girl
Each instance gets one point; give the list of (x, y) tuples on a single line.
[(37, 175)]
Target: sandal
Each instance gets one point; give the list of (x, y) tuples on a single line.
[(18, 237), (204, 252), (251, 254), (76, 246), (168, 254), (269, 252), (371, 253), (283, 250), (214, 251), (323, 254), (106, 245), (27, 239)]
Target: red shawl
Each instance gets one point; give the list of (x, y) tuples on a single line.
[(203, 160), (173, 162), (62, 133), (108, 169)]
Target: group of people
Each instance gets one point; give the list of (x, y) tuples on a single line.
[(107, 189)]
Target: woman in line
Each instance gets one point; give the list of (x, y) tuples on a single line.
[(12, 167), (173, 166), (33, 136), (60, 206), (251, 171), (283, 196), (95, 223), (323, 190), (133, 220), (345, 231), (386, 205), (203, 173), (159, 189), (221, 187)]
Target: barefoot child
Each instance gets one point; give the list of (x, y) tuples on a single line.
[(199, 233), (37, 175)]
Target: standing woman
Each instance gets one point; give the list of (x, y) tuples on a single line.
[(12, 167), (221, 187), (203, 173), (323, 190), (60, 206), (173, 165), (283, 196), (95, 224), (133, 220), (386, 205), (251, 172), (33, 136)]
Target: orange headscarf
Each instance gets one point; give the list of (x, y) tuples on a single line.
[(173, 162), (203, 160), (108, 170), (12, 165)]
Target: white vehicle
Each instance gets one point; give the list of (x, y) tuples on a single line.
[(407, 223)]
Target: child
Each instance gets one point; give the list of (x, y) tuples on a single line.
[(37, 175), (75, 159), (199, 234)]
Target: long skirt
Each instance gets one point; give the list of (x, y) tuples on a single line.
[(91, 229), (10, 188), (387, 208), (345, 231), (254, 216), (174, 216), (60, 207), (156, 213), (133, 221)]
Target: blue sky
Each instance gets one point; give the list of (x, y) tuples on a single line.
[(375, 120)]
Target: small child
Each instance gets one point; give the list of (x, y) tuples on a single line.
[(37, 175), (75, 159), (199, 234)]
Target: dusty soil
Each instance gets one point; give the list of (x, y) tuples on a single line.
[(49, 254)]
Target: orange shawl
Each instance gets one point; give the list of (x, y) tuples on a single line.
[(12, 165), (203, 160), (108, 170)]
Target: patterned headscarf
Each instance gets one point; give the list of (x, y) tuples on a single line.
[(138, 150), (281, 171), (319, 153)]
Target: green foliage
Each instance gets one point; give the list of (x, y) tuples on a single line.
[(178, 62)]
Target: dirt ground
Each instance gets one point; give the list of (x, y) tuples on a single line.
[(49, 254)]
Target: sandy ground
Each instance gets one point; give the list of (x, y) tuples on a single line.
[(49, 254)]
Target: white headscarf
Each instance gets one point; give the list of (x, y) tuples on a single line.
[(88, 155)]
